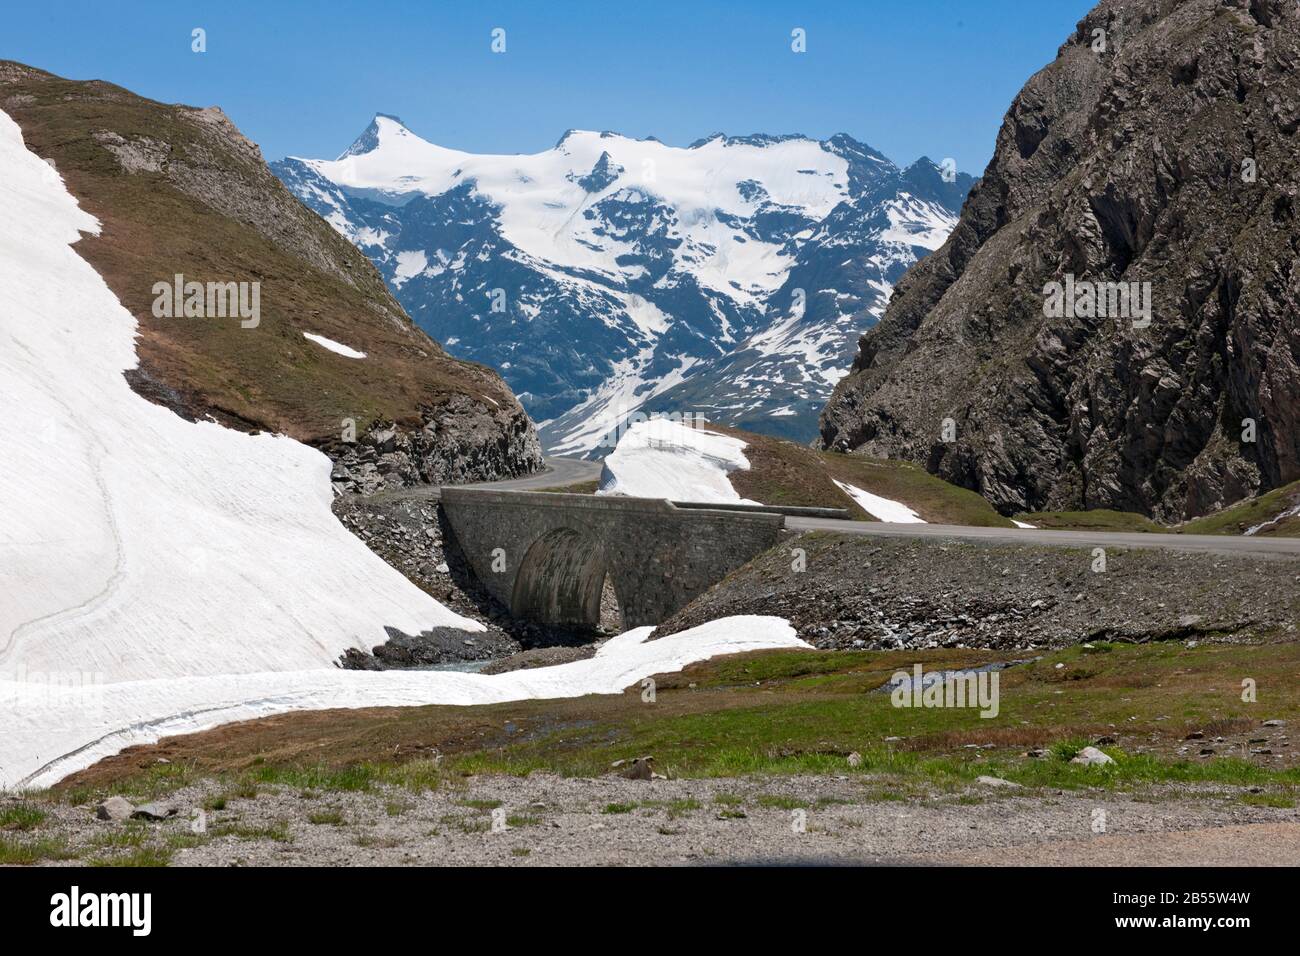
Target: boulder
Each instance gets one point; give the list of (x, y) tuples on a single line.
[(1091, 757), (114, 808)]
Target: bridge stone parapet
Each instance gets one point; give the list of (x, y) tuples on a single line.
[(546, 556)]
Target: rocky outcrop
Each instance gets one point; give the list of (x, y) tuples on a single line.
[(462, 440), (1159, 148), (182, 192)]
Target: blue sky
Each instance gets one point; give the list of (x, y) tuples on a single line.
[(909, 77)]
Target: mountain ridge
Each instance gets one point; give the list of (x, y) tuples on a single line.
[(601, 274)]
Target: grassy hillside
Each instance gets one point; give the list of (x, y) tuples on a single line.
[(180, 190), (1274, 514), (784, 473), (1275, 511), (1102, 519)]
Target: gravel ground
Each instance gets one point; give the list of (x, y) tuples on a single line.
[(615, 821)]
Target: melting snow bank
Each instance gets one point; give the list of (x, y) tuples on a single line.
[(48, 736), (662, 458), (333, 346), (1021, 524), (135, 544), (882, 509)]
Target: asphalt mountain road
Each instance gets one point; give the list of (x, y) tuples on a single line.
[(1217, 544), (567, 471), (558, 473)]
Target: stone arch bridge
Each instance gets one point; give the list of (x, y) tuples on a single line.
[(545, 556)]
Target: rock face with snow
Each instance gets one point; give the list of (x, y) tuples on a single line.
[(330, 358), (1160, 148), (607, 274)]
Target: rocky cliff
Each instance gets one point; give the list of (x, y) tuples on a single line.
[(1154, 163), (330, 358)]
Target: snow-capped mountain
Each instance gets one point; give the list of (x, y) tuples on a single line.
[(608, 275)]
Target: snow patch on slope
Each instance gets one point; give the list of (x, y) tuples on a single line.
[(337, 347), (134, 543), (662, 458), (46, 743), (916, 222), (882, 509)]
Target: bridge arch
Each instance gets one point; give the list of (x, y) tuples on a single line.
[(561, 579), (546, 556)]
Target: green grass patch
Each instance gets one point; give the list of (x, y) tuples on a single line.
[(330, 818), (471, 824), (577, 488), (20, 851), (128, 836), (1280, 800), (1099, 519), (370, 841), (782, 472), (935, 500), (350, 779), (786, 727), (277, 831), (778, 801), (21, 816), (803, 712), (186, 841), (478, 804), (681, 807), (145, 856), (414, 775)]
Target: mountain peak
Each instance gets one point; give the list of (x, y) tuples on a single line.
[(369, 138)]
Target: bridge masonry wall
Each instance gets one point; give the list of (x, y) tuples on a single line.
[(545, 555)]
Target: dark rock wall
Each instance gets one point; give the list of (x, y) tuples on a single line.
[(1127, 163)]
